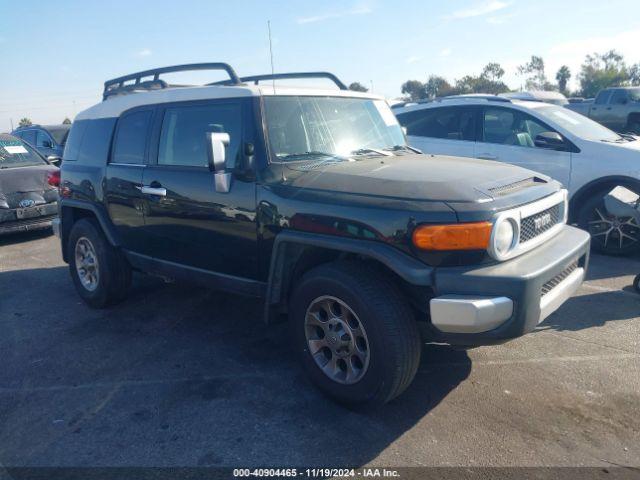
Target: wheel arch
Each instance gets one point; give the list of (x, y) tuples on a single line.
[(73, 210), (633, 117), (295, 253), (599, 185)]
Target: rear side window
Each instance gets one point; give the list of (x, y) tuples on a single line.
[(451, 123), (89, 141), (184, 133), (603, 97), (131, 138)]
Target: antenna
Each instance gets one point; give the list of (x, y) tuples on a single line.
[(271, 55)]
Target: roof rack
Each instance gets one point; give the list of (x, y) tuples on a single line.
[(476, 96), (287, 76), (117, 86)]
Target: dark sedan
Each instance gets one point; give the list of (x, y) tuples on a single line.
[(28, 187)]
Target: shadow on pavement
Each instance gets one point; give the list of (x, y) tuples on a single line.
[(603, 266), (178, 376), (603, 307), (21, 237)]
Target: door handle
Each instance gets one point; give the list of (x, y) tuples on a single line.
[(487, 156), (148, 190)]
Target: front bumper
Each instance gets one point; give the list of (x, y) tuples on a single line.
[(491, 304), (33, 218)]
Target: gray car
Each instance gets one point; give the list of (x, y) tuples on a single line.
[(49, 140), (615, 108)]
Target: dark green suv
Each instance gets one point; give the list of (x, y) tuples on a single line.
[(312, 201)]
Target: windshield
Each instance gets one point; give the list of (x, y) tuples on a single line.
[(300, 127), (577, 124), (60, 134), (15, 153)]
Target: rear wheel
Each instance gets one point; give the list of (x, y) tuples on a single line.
[(99, 271), (633, 127), (610, 234), (355, 333)]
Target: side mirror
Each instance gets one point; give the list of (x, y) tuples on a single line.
[(550, 140), (216, 154), (47, 144), (54, 159)]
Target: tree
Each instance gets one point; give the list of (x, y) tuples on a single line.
[(414, 89), (634, 74), (602, 70), (25, 122), (487, 82), (533, 70), (358, 87), (66, 121), (492, 71), (437, 86), (562, 76)]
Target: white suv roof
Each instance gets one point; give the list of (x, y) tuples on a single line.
[(129, 91), (471, 99)]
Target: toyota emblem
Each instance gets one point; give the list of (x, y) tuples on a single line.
[(26, 203)]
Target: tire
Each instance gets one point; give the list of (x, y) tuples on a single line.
[(592, 211), (636, 283), (113, 273), (391, 338), (633, 127)]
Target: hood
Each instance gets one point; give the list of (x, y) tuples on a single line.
[(25, 182), (416, 177)]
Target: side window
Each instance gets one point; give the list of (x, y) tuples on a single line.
[(619, 97), (511, 127), (131, 138), (43, 139), (29, 136), (603, 97), (184, 133), (498, 125), (451, 123)]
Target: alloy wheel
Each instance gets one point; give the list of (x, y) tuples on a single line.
[(87, 264), (337, 340), (614, 233)]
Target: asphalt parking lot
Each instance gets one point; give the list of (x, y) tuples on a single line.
[(182, 376)]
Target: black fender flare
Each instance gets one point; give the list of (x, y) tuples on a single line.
[(288, 242), (66, 207)]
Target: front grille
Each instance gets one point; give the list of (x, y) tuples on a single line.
[(519, 185), (534, 225), (555, 281)]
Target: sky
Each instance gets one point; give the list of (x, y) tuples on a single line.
[(56, 55)]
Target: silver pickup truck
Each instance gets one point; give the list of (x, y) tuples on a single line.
[(616, 108)]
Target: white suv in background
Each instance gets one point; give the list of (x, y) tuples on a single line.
[(589, 159)]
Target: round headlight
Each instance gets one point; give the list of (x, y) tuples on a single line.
[(504, 236)]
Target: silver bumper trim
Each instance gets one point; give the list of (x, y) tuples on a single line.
[(469, 314), (550, 302)]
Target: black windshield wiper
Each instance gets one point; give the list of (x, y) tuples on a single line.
[(369, 151), (312, 154), (402, 148)]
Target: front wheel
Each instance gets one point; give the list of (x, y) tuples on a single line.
[(355, 333), (610, 234)]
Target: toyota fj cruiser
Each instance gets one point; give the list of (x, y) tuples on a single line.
[(311, 200)]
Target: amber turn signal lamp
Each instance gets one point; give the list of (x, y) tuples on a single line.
[(459, 236)]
